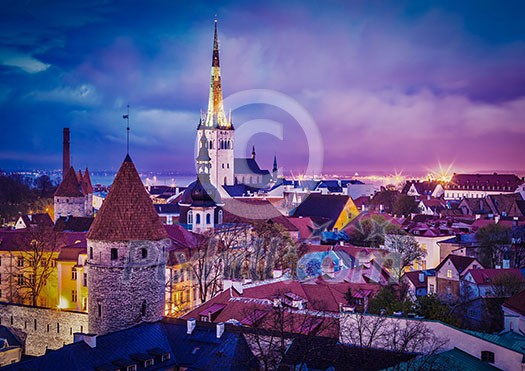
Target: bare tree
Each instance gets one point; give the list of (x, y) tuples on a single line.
[(506, 285), (396, 335), (33, 262), (405, 250), (274, 325)]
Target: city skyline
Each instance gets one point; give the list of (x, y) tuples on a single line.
[(391, 87)]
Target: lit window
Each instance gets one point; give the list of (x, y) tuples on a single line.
[(449, 273)]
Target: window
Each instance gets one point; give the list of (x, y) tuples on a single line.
[(487, 356), (431, 288), (74, 274), (189, 218), (449, 273), (131, 368), (20, 262), (0, 261), (20, 279), (91, 252), (0, 293), (143, 309), (114, 254), (165, 357), (144, 253), (219, 221), (43, 262), (0, 277), (84, 304), (148, 362), (84, 281), (99, 307), (208, 219), (73, 296), (198, 219)]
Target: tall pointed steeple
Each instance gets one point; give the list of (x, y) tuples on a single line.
[(275, 169), (215, 116), (253, 152), (203, 159)]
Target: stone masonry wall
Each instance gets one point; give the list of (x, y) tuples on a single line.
[(65, 206), (45, 328)]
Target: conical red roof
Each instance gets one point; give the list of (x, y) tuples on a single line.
[(69, 186), (87, 187), (127, 212)]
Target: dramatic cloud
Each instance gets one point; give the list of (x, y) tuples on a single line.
[(390, 85)]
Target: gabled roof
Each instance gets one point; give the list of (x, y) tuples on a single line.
[(516, 303), (71, 253), (502, 204), (422, 187), (127, 213), (486, 276), (70, 187), (247, 209), (460, 262), (239, 190), (73, 223), (248, 166), (322, 207), (413, 277), (42, 219), (503, 182), (201, 350)]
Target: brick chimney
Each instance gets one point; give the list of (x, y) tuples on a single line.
[(66, 154)]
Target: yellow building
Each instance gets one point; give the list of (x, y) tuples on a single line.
[(72, 279)]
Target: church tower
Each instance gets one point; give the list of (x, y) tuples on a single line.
[(127, 246), (217, 128)]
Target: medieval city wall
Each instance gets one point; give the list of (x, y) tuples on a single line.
[(44, 328)]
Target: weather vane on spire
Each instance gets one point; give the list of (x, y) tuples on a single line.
[(126, 117)]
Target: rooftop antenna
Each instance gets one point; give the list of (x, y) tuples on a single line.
[(126, 117)]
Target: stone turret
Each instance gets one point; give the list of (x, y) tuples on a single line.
[(69, 199), (127, 247)]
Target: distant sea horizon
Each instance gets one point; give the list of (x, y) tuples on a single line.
[(106, 177)]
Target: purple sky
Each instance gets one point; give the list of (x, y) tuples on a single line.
[(391, 86)]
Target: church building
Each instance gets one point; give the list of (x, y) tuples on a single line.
[(225, 170)]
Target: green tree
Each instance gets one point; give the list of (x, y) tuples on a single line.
[(387, 301), (370, 231), (405, 205), (432, 308), (493, 240)]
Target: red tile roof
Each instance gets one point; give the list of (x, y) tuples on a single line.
[(87, 187), (246, 209), (414, 278), (127, 212), (496, 182), (460, 262), (516, 303), (70, 186), (485, 276), (305, 225)]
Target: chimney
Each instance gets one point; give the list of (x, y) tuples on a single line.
[(89, 339), (191, 323), (220, 329), (66, 155)]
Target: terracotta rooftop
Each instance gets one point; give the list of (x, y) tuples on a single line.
[(516, 303), (69, 186), (87, 187), (127, 213), (485, 276), (460, 262)]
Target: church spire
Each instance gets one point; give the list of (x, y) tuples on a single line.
[(215, 116), (253, 152)]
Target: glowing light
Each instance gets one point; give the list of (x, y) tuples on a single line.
[(442, 174)]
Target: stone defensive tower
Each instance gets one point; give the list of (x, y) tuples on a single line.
[(127, 247)]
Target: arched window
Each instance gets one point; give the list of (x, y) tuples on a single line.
[(189, 217), (225, 179), (208, 218), (198, 219), (219, 217)]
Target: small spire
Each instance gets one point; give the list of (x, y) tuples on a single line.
[(215, 59), (126, 117), (274, 164), (253, 152)]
